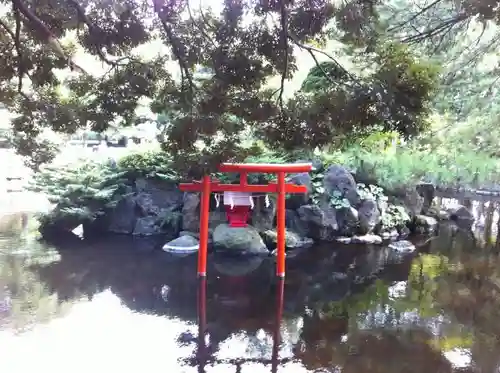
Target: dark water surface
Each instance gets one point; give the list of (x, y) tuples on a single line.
[(108, 307)]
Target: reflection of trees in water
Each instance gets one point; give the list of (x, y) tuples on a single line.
[(470, 290), (392, 323), (390, 326), (24, 300)]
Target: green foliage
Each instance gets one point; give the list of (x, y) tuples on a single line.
[(84, 190), (81, 191), (150, 164), (373, 192), (338, 201), (394, 217), (335, 105), (263, 157), (411, 164), (318, 189)]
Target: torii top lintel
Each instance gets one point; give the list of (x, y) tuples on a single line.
[(245, 168), (265, 168)]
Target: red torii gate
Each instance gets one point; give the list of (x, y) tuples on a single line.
[(207, 186)]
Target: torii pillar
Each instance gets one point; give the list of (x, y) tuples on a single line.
[(207, 186)]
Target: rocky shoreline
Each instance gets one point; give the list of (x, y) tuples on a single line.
[(337, 208)]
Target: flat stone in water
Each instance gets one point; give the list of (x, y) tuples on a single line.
[(402, 247), (182, 246), (365, 239), (391, 235)]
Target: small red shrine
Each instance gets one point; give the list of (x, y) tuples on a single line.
[(238, 201)]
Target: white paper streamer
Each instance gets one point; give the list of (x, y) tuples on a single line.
[(251, 202), (268, 203), (217, 202)]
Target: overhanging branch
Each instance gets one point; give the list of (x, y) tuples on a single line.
[(312, 50), (284, 42), (44, 32)]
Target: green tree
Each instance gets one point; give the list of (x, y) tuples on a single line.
[(210, 75)]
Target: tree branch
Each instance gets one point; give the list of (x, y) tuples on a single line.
[(17, 42), (284, 42), (43, 31), (16, 39), (450, 23), (311, 50), (413, 17), (83, 17), (176, 48)]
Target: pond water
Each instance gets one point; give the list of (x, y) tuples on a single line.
[(91, 307)]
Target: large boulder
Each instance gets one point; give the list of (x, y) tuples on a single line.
[(409, 198), (338, 179), (263, 216), (191, 212), (321, 224), (123, 218), (238, 241), (297, 200), (294, 223), (428, 192), (155, 198), (369, 216), (461, 215), (292, 240), (170, 225), (348, 221), (144, 207), (424, 224)]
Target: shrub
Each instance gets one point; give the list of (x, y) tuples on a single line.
[(80, 191)]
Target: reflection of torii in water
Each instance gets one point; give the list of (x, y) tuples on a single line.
[(202, 357)]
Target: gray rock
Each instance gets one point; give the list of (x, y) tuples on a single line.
[(404, 232), (343, 240), (238, 241), (262, 217), (413, 202), (191, 212), (147, 226), (369, 216), (337, 178), (367, 239), (292, 240), (348, 221), (183, 245), (122, 219), (398, 250), (390, 235), (215, 219), (427, 191), (425, 224), (460, 214), (297, 200), (156, 197), (321, 224), (293, 222)]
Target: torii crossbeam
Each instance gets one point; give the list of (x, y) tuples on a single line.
[(206, 186)]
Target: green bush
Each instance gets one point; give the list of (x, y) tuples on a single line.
[(150, 164), (80, 191), (402, 166)]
